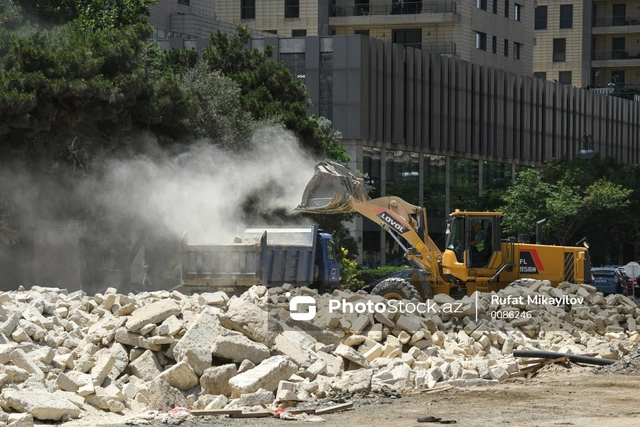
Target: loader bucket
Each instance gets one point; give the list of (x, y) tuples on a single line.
[(331, 189)]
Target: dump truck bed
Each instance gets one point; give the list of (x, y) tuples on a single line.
[(267, 256)]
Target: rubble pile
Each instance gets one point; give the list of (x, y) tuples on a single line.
[(61, 352)]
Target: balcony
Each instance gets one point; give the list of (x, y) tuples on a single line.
[(440, 48), (602, 90), (161, 34), (384, 12), (360, 8), (615, 24), (608, 55), (615, 58)]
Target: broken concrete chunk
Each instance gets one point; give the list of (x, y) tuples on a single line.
[(146, 366), (246, 317), (41, 404), (352, 355), (266, 375), (180, 376), (237, 348), (195, 345), (215, 380), (152, 313)]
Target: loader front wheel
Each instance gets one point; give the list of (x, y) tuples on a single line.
[(396, 289)]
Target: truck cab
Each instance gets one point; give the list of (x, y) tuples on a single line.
[(327, 265)]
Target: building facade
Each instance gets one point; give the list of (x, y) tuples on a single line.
[(588, 43), (495, 33)]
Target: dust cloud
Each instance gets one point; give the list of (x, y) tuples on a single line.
[(78, 227), (202, 191)]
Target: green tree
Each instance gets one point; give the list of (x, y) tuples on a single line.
[(50, 13), (102, 14), (217, 114), (268, 90), (568, 208)]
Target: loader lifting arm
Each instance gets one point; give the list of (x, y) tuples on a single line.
[(333, 189)]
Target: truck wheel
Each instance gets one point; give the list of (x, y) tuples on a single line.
[(397, 289)]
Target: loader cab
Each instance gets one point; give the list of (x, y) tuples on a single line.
[(473, 237)]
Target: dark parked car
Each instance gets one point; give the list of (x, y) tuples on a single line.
[(631, 282), (609, 280)]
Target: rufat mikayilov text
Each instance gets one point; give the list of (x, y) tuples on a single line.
[(536, 300)]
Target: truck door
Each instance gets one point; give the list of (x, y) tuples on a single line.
[(333, 267), (327, 268)]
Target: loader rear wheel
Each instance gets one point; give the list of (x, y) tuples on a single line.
[(396, 289)]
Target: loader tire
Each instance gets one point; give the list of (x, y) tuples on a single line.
[(396, 289)]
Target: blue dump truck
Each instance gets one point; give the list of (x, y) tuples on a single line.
[(270, 256)]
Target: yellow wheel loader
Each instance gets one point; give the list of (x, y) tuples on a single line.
[(475, 258)]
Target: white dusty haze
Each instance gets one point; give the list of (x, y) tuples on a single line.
[(202, 190)]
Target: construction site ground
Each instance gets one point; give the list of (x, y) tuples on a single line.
[(559, 395)]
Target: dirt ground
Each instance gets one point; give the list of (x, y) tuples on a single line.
[(559, 395)]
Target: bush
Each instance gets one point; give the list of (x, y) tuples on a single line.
[(348, 277), (367, 276)]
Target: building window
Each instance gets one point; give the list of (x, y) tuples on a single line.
[(361, 8), (411, 37), (271, 31), (482, 4), (248, 9), (495, 7), (292, 8), (506, 47), (619, 14), (184, 2), (559, 50), (618, 49), (481, 41), (564, 77), (506, 8), (566, 16), (541, 18), (540, 75), (494, 44), (517, 47), (361, 32), (517, 9), (298, 33)]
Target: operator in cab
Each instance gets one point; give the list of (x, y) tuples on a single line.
[(477, 244)]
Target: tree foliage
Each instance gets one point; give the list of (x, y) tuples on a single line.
[(268, 90), (67, 82), (568, 207), (48, 13), (348, 272)]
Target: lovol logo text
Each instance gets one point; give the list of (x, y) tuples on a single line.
[(393, 223)]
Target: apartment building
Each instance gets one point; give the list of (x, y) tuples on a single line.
[(588, 43), (193, 20), (492, 33)]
